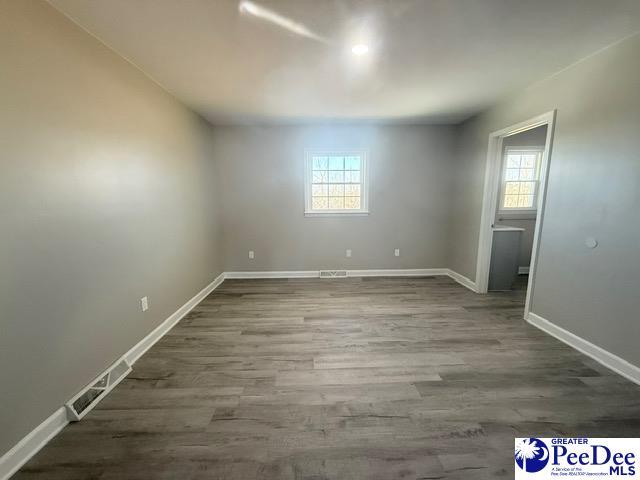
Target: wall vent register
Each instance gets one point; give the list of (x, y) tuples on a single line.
[(86, 399), (333, 273)]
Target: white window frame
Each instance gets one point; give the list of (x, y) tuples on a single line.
[(364, 184), (503, 183)]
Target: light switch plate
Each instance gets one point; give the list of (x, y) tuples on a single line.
[(144, 304), (251, 254), (397, 252), (348, 253)]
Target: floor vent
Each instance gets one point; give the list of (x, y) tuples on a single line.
[(333, 273), (87, 398)]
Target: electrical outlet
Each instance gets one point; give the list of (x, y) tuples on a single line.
[(251, 254), (396, 252), (348, 253), (144, 304)]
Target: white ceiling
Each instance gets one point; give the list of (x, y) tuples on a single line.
[(431, 61)]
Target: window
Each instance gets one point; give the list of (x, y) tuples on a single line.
[(520, 179), (335, 183)]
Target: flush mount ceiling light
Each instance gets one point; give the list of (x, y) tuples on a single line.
[(359, 49)]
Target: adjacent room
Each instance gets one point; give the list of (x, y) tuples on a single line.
[(319, 239)]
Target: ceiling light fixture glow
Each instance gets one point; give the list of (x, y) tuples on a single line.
[(359, 49), (251, 8), (248, 7)]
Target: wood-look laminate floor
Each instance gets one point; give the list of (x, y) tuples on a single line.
[(374, 378)]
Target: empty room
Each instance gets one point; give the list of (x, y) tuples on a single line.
[(319, 239)]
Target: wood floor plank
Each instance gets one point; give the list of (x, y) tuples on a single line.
[(358, 378), (355, 376)]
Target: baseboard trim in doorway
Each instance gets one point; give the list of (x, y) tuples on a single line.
[(32, 443), (599, 354), (462, 280)]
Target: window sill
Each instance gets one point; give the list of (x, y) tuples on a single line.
[(358, 213), (517, 215)]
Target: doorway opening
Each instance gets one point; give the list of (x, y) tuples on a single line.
[(513, 205)]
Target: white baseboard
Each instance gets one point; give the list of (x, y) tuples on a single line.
[(273, 274), (398, 272), (599, 354), (523, 270), (462, 280), (26, 448), (385, 272), (147, 342)]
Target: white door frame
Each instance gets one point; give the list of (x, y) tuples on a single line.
[(490, 200)]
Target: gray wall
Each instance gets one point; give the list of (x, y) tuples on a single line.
[(594, 191), (535, 137), (108, 193), (105, 196), (263, 198)]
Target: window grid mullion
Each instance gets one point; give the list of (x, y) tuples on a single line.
[(344, 183)]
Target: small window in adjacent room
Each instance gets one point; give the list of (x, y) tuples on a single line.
[(335, 183), (520, 179)]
